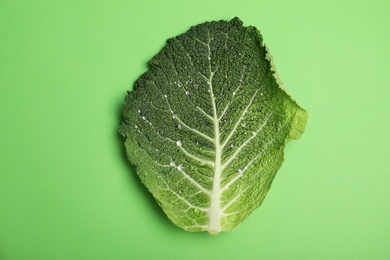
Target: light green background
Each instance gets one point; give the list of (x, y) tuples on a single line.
[(67, 191)]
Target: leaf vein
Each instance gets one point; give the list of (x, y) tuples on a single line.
[(203, 161), (180, 121), (234, 156)]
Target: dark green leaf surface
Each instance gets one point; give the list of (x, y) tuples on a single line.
[(206, 125)]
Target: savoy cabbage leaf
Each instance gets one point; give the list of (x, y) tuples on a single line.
[(206, 125)]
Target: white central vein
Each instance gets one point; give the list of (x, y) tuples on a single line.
[(215, 211)]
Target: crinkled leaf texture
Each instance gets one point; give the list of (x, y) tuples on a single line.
[(206, 125)]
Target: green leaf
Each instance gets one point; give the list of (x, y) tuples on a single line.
[(206, 125)]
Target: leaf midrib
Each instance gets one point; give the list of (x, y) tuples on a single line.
[(215, 211)]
